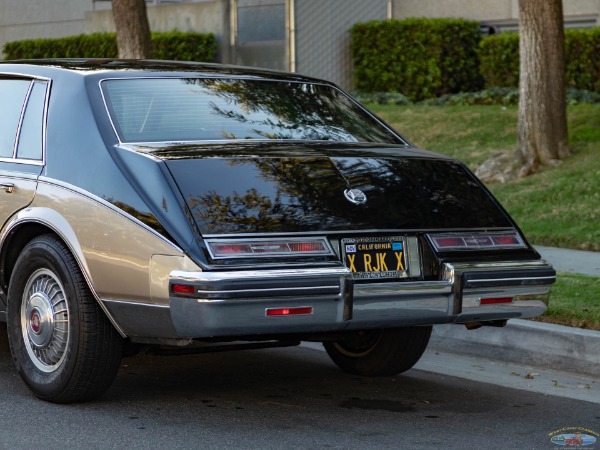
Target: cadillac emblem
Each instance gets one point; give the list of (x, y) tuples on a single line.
[(355, 196)]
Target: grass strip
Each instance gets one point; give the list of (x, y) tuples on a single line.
[(574, 301)]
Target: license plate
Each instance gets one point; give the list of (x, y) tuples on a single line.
[(372, 258)]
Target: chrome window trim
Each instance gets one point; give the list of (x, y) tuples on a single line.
[(31, 162), (20, 124), (181, 275), (33, 79)]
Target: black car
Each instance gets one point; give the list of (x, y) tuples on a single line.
[(205, 207)]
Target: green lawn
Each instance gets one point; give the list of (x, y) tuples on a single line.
[(575, 301), (559, 206)]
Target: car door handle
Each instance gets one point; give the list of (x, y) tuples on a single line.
[(8, 187)]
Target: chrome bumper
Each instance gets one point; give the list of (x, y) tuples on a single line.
[(236, 303)]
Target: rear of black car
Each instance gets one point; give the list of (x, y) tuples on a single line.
[(316, 221)]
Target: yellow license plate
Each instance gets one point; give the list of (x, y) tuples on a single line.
[(372, 258)]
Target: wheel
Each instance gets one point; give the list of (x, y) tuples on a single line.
[(380, 352), (63, 345)]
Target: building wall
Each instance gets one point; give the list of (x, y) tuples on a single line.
[(28, 19), (204, 17), (489, 10)]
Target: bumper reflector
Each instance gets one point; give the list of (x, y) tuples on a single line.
[(495, 301), (183, 289), (289, 311)]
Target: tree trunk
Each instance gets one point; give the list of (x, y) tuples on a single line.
[(542, 127), (133, 31)]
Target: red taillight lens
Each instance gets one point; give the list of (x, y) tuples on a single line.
[(447, 242), (307, 247), (476, 241), (505, 240), (183, 289), (231, 249), (268, 247), (289, 311)]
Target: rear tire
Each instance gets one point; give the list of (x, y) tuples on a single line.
[(380, 352), (63, 346)]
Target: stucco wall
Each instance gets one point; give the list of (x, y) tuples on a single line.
[(204, 17), (26, 19), (486, 10)]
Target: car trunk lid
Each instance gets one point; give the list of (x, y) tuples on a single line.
[(234, 189)]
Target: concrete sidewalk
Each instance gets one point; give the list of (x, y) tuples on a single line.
[(552, 346), (572, 261), (527, 342)]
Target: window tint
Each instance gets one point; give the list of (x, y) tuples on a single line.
[(12, 97), (170, 109), (31, 135)]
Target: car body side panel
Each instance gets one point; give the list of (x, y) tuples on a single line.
[(16, 192), (124, 263)]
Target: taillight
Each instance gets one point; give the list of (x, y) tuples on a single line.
[(476, 241), (244, 248)]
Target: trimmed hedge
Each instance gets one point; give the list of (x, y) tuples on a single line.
[(499, 60), (428, 58), (420, 58), (499, 56), (174, 45)]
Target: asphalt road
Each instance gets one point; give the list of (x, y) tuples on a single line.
[(293, 398)]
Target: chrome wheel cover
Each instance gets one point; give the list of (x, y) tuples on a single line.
[(45, 320)]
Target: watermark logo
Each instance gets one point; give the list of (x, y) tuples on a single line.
[(574, 437)]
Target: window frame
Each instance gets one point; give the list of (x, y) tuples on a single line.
[(32, 81)]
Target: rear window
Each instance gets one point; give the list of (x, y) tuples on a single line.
[(208, 109)]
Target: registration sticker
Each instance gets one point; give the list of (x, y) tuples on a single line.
[(376, 257)]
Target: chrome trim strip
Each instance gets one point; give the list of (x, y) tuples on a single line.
[(353, 233), (30, 162), (499, 265), (130, 303), (257, 274), (505, 280), (21, 116), (284, 291)]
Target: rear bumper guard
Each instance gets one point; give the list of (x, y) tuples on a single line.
[(237, 303)]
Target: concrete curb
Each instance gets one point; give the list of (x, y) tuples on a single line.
[(526, 342)]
